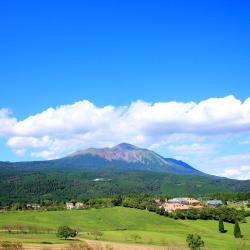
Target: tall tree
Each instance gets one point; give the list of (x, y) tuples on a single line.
[(221, 226), (237, 231)]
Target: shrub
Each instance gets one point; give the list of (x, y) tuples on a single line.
[(64, 232), (194, 241)]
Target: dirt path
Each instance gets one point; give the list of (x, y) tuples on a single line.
[(100, 245)]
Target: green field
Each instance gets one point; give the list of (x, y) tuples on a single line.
[(118, 224)]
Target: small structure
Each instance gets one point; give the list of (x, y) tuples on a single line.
[(28, 206), (78, 205), (35, 206), (101, 179), (214, 203), (69, 205)]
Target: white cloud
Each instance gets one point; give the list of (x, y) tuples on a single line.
[(182, 128), (6, 122), (242, 172), (232, 166)]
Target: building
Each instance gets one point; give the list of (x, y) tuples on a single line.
[(69, 205), (185, 200), (28, 206), (214, 203), (35, 206), (78, 205), (101, 180), (172, 207)]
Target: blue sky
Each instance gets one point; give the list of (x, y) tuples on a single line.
[(57, 53)]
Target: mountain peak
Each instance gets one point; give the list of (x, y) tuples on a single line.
[(128, 156), (124, 146)]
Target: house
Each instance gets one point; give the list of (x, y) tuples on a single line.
[(185, 200), (69, 205), (35, 206), (78, 205), (214, 203)]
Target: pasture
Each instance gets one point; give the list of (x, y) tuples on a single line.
[(119, 224)]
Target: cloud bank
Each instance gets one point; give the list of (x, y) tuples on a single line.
[(61, 130)]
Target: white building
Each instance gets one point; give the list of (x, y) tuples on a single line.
[(69, 205), (78, 205), (184, 200)]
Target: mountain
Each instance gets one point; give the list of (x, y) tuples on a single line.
[(123, 156), (127, 157), (123, 169)]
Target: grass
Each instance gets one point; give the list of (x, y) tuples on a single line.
[(119, 224)]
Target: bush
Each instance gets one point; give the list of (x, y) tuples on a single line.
[(64, 232), (194, 241)]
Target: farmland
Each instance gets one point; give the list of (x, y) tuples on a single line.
[(119, 224)]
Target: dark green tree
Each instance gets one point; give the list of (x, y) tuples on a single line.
[(221, 226), (194, 241), (64, 232), (237, 232), (117, 201)]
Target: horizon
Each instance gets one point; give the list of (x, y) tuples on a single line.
[(172, 77)]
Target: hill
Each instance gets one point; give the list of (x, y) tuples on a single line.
[(152, 228)]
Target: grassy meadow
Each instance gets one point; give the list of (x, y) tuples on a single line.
[(121, 224)]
